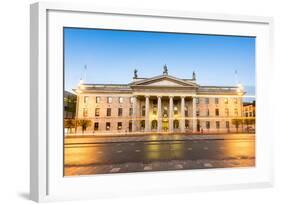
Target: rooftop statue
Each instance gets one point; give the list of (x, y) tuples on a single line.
[(135, 73), (165, 70)]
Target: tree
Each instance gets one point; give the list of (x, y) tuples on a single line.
[(84, 124), (249, 121), (69, 123), (237, 122)]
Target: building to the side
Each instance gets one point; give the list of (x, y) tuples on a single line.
[(69, 105), (162, 103)]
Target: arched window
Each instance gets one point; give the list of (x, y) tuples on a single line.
[(176, 124), (154, 124)]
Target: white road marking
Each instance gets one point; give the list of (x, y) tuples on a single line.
[(148, 167), (208, 165), (116, 169)]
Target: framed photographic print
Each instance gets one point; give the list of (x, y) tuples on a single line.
[(127, 102)]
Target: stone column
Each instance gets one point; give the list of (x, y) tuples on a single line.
[(134, 114), (182, 121), (159, 112), (171, 114), (194, 119), (147, 124)]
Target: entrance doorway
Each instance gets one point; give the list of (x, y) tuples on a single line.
[(165, 125)]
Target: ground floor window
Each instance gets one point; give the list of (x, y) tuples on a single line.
[(208, 124), (186, 123), (96, 126), (176, 124), (217, 124), (227, 124), (107, 126), (142, 124), (154, 124), (119, 125)]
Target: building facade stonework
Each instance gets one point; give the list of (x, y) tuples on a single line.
[(160, 104)]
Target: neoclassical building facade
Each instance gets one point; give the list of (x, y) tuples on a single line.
[(159, 104)]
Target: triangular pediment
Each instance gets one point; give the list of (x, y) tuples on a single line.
[(165, 81)]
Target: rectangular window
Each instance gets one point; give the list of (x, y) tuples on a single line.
[(207, 100), (175, 110), (226, 112), (130, 111), (197, 100), (227, 124), (186, 112), (120, 111), (97, 99), (109, 99), (197, 113), (120, 100), (154, 110), (107, 126), (97, 112), (186, 123), (217, 124), (216, 101), (131, 100), (235, 100), (96, 126), (85, 112), (143, 111), (119, 126), (217, 112), (236, 112), (225, 100), (86, 98), (108, 112), (208, 124), (208, 112)]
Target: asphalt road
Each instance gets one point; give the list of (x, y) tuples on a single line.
[(90, 154)]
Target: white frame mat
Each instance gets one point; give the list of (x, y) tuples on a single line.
[(46, 86)]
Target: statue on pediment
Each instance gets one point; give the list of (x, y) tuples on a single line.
[(135, 73), (193, 76), (165, 70)]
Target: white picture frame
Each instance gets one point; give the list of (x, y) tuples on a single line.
[(46, 137)]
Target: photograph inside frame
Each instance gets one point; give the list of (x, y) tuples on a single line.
[(142, 101)]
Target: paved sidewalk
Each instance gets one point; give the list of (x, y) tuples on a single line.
[(151, 138)]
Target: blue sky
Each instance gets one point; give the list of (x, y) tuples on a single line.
[(111, 57)]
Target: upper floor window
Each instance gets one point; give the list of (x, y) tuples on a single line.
[(217, 112), (120, 111), (216, 100), (175, 110), (226, 112), (131, 100), (197, 113), (197, 100), (227, 124), (185, 112), (120, 99), (225, 100), (154, 110), (86, 98), (130, 111), (85, 112), (235, 100), (97, 99), (97, 112), (207, 100), (236, 111), (208, 112), (109, 99), (108, 112)]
